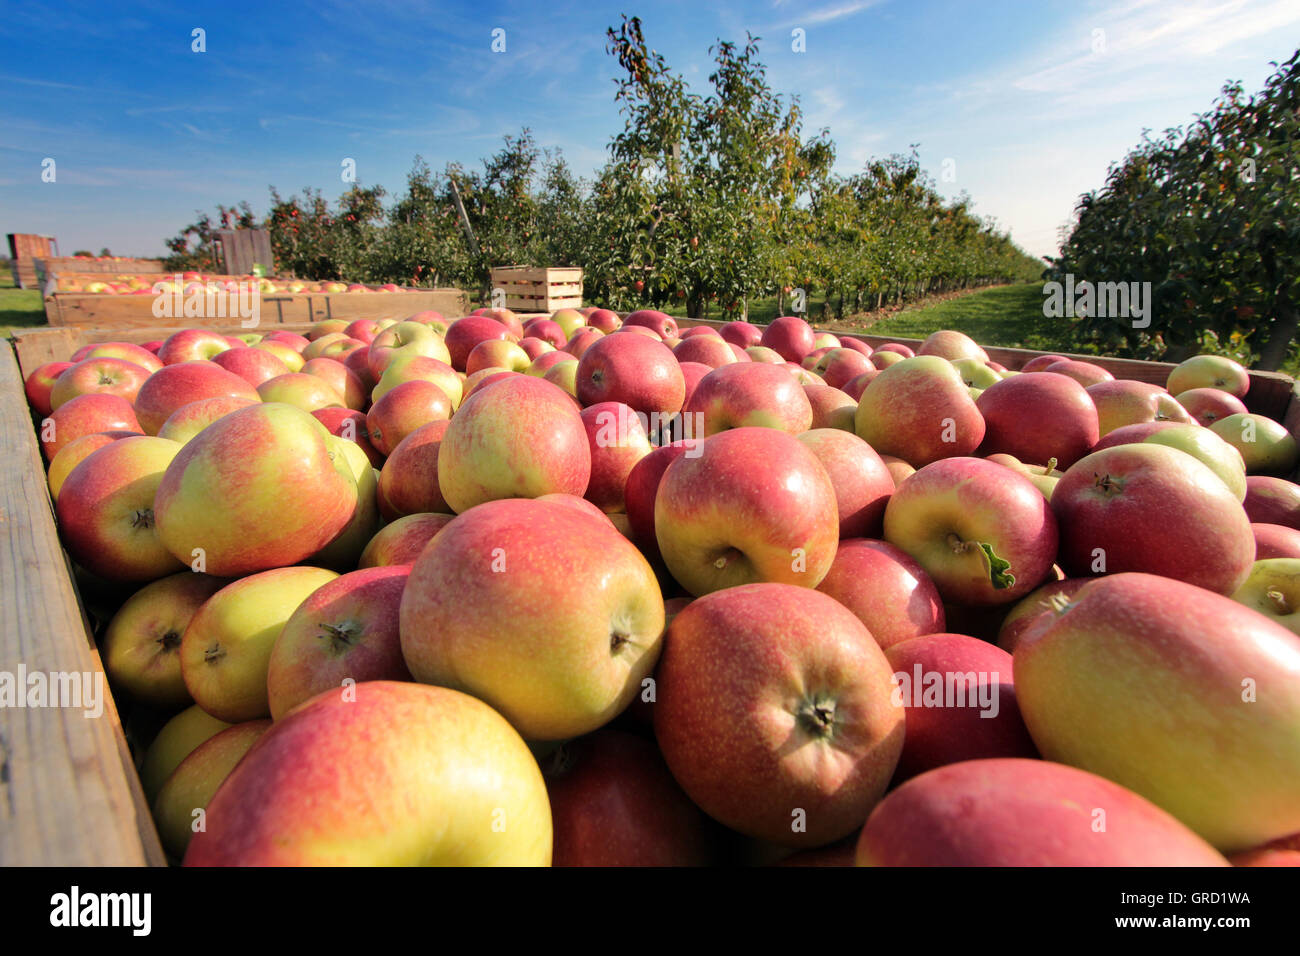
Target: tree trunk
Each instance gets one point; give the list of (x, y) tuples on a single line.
[(1280, 335)]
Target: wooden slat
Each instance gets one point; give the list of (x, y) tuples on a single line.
[(37, 347), (69, 794)]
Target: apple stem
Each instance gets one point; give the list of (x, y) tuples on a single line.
[(1280, 604)]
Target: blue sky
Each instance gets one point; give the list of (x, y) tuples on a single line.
[(1031, 101)]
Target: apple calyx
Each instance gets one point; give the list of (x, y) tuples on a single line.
[(168, 642), (817, 718), (1108, 484), (341, 636), (996, 567), (618, 641), (213, 654), (143, 518)]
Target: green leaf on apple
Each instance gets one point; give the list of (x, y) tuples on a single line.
[(999, 569)]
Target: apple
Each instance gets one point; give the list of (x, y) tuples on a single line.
[(105, 510), (191, 786), (1023, 616), (634, 370), (1199, 442), (349, 425), (751, 504), (790, 337), (662, 325), (919, 410), (1044, 477), (344, 550), (849, 342), (765, 355), (341, 379), (709, 350), (959, 702), (1152, 508), (604, 319), (507, 318), (825, 340), (1271, 541), (289, 356), (1124, 402), (404, 409), (614, 803), (544, 362), (464, 334), (803, 376), (774, 713), (39, 384), (227, 646), (1127, 681), (1015, 812), (546, 613), (457, 786), (855, 386), (174, 742), (548, 331), (861, 481), (421, 368), (1266, 446), (1040, 363), (74, 453), (483, 378), (831, 407), (191, 345), (738, 395), (742, 334), (1208, 405), (179, 384), (840, 366), (364, 330), (401, 541), (1085, 373), (409, 482), (188, 420), (1272, 501), (642, 487), (882, 358), (120, 350), (1037, 418), (324, 329), (692, 374), (975, 373), (111, 376), (1209, 371), (618, 440), (886, 589), (497, 353), (535, 347), (253, 365), (259, 488), (951, 345), (898, 469), (581, 340), (1273, 589), (897, 348), (482, 457), (319, 342)]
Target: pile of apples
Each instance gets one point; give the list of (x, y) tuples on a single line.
[(189, 282), (583, 590)]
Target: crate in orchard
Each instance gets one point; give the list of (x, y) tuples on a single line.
[(534, 289)]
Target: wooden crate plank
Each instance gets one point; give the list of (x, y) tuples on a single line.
[(69, 794), (37, 347)]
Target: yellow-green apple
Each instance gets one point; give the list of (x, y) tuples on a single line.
[(287, 354), (861, 481), (765, 355), (86, 415), (614, 803), (345, 630), (951, 345), (326, 327), (664, 326), (253, 365), (74, 453), (122, 350), (533, 347), (341, 379), (259, 488), (959, 703), (497, 353), (1015, 812), (110, 376), (470, 615), (544, 362), (1201, 443), (886, 589), (315, 348), (1209, 371), (191, 345), (773, 713), (634, 370), (1208, 405), (749, 504), (1266, 446), (404, 409), (39, 384), (1125, 402), (106, 510), (1044, 477), (408, 482), (520, 438), (1151, 508), (831, 407), (1037, 418), (179, 384), (1273, 589), (569, 321), (919, 410), (1021, 617), (741, 333), (985, 535), (141, 646), (401, 541), (183, 798), (841, 365), (343, 552), (351, 426), (789, 336), (406, 339), (1271, 540), (618, 440), (1272, 501), (420, 368), (548, 331), (707, 350), (1085, 373), (604, 319), (188, 420), (882, 358), (826, 340), (455, 787), (1185, 696), (227, 646), (174, 742), (302, 391), (975, 373), (750, 394), (464, 334)]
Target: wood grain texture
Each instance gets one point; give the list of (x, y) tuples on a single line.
[(69, 793)]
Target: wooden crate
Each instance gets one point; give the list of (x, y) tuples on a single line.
[(529, 289), (57, 265), (238, 250), (24, 251)]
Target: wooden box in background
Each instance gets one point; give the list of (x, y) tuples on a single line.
[(529, 289)]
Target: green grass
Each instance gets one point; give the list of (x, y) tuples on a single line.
[(761, 311), (19, 308)]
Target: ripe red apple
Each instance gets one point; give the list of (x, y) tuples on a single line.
[(710, 350), (1145, 507), (774, 713), (603, 319), (73, 454), (85, 415), (897, 348), (191, 345), (400, 542), (421, 368), (1040, 363), (831, 407), (408, 482), (254, 366), (1272, 501), (749, 394), (1208, 405), (496, 353), (464, 334), (790, 337), (642, 486), (548, 331), (1085, 373), (121, 350), (188, 420), (301, 390), (179, 384), (855, 386), (618, 440), (1132, 681), (842, 365), (742, 334), (1016, 812), (40, 382), (692, 374), (547, 613), (364, 330), (429, 794), (1273, 541), (952, 345), (341, 379), (984, 534), (634, 370), (920, 410), (754, 504), (349, 425), (665, 326), (886, 589), (110, 376), (861, 481), (404, 409), (1037, 418), (1024, 615)]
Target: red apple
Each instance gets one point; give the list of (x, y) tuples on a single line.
[(831, 407), (790, 337), (341, 379), (496, 353), (1125, 402), (742, 334), (39, 384), (603, 319), (952, 345), (708, 350), (1040, 363), (840, 366), (188, 420), (1037, 418), (408, 482), (662, 325), (121, 350), (642, 486), (109, 376), (1271, 541), (401, 541), (633, 370), (618, 440), (886, 589), (861, 481), (179, 384), (1025, 614), (692, 374), (86, 415), (920, 410), (750, 394), (464, 334), (1272, 501), (1208, 405), (349, 425), (1085, 373), (254, 366), (191, 345), (404, 409)]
